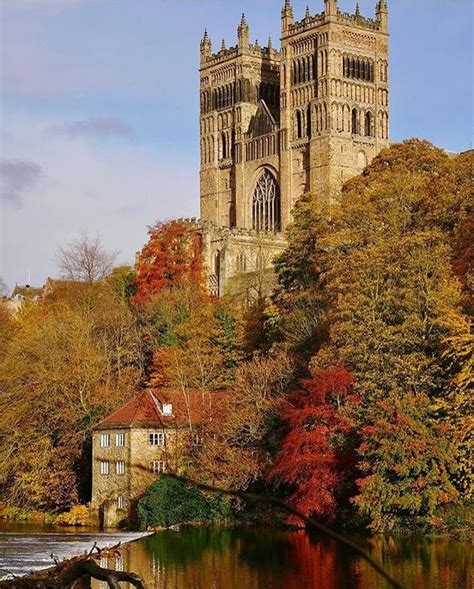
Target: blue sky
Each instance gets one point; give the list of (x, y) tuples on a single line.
[(99, 102)]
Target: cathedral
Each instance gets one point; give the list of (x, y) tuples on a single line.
[(276, 123)]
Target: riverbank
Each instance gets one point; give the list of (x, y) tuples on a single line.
[(78, 516), (455, 523)]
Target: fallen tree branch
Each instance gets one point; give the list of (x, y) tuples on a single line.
[(70, 573), (251, 497)]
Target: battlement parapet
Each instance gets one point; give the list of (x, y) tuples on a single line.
[(309, 22), (233, 52), (224, 231), (358, 20)]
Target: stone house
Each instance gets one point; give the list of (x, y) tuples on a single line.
[(20, 295), (153, 433)]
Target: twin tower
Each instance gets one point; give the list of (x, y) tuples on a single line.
[(277, 123)]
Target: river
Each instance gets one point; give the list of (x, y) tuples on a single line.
[(250, 558)]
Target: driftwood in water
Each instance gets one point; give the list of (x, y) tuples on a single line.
[(76, 573)]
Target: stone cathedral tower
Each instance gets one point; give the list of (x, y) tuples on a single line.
[(278, 123)]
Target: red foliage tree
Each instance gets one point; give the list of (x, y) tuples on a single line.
[(172, 256), (317, 452)]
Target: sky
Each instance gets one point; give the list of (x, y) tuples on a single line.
[(99, 109)]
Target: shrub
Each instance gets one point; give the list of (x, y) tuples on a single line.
[(168, 502), (79, 515)]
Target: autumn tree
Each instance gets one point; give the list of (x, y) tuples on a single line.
[(298, 316), (72, 359), (171, 256), (7, 326), (86, 260), (317, 456), (237, 450), (381, 271)]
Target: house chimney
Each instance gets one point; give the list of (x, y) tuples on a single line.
[(167, 409)]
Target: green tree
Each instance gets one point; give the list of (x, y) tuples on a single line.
[(168, 502)]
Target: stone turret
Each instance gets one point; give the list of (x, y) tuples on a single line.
[(381, 14), (206, 47), (287, 17), (243, 33), (330, 7)]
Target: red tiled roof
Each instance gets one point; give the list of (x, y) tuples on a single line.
[(146, 408)]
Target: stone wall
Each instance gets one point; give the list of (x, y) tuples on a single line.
[(137, 455)]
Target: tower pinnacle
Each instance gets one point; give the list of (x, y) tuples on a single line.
[(330, 7), (381, 14), (286, 15), (206, 46), (243, 32)]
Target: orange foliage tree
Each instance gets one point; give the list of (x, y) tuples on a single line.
[(317, 452), (172, 256)]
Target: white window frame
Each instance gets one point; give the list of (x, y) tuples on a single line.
[(120, 440), (121, 502), (120, 467), (105, 440), (156, 439), (158, 466), (104, 467)]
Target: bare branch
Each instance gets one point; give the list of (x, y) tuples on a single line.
[(85, 260), (66, 573)]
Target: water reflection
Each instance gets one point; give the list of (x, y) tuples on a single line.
[(208, 558)]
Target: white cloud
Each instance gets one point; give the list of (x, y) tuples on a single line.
[(95, 127)]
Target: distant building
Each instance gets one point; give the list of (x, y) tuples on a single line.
[(22, 294), (151, 434), (276, 123)]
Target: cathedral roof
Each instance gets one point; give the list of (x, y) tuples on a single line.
[(263, 122)]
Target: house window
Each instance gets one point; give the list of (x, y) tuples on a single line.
[(120, 467), (157, 466), (120, 440), (104, 467), (121, 502), (156, 439), (104, 440)]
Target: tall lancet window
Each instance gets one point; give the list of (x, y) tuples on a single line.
[(266, 203)]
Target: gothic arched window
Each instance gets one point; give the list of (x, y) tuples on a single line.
[(355, 122), (299, 125), (241, 262), (369, 125), (224, 147), (266, 203)]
